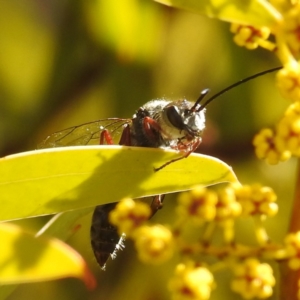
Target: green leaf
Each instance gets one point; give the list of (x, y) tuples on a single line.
[(63, 225), (60, 179), (25, 258), (6, 290), (60, 226), (248, 12)]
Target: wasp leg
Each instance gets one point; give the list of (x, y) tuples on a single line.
[(125, 139), (156, 204), (186, 154), (106, 137)]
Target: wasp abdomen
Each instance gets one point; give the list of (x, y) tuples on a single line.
[(105, 239)]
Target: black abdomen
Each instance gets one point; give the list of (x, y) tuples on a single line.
[(104, 236)]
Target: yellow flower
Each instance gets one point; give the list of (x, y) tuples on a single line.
[(292, 244), (253, 279), (268, 147), (256, 199), (251, 37), (227, 206), (288, 130), (154, 243), (191, 283), (199, 204), (129, 215), (288, 81)]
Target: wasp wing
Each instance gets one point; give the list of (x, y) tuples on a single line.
[(86, 134)]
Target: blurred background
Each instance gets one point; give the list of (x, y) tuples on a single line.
[(63, 63)]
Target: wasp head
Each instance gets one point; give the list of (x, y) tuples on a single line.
[(182, 120)]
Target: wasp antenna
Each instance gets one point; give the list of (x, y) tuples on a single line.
[(202, 95), (232, 86)]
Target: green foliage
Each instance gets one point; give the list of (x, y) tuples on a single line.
[(25, 258)]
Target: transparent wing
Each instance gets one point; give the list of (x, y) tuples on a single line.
[(86, 134)]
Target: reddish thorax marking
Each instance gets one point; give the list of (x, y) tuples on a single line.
[(149, 124)]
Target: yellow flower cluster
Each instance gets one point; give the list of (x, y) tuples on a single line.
[(286, 32), (253, 279), (279, 144), (191, 282), (223, 207), (153, 243), (129, 215), (201, 205), (256, 199), (292, 243), (266, 147)]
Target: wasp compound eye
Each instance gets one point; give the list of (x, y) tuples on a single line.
[(174, 117)]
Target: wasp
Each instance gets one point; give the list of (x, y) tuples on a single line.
[(159, 123)]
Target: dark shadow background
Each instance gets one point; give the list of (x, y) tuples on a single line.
[(64, 63)]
